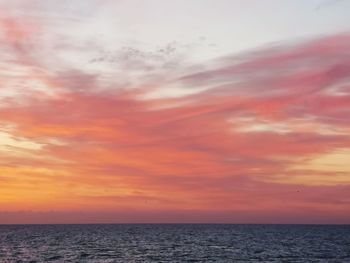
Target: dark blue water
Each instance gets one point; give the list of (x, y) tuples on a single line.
[(174, 243)]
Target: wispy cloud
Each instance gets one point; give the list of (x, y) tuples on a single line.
[(241, 133)]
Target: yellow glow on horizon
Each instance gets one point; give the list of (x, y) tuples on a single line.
[(311, 180), (328, 169), (6, 140), (333, 162)]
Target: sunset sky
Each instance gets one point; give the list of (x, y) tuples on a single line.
[(227, 111)]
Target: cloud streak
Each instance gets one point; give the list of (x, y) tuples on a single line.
[(240, 135)]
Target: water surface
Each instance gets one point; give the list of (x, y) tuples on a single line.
[(174, 243)]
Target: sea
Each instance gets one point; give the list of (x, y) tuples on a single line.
[(174, 243)]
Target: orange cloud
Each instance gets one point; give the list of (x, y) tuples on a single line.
[(240, 149)]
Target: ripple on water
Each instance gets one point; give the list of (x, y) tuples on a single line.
[(174, 243)]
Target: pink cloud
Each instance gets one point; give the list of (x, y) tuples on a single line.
[(217, 154)]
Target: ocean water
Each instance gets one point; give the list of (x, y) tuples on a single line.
[(174, 243)]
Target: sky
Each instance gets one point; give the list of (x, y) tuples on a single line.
[(159, 111)]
